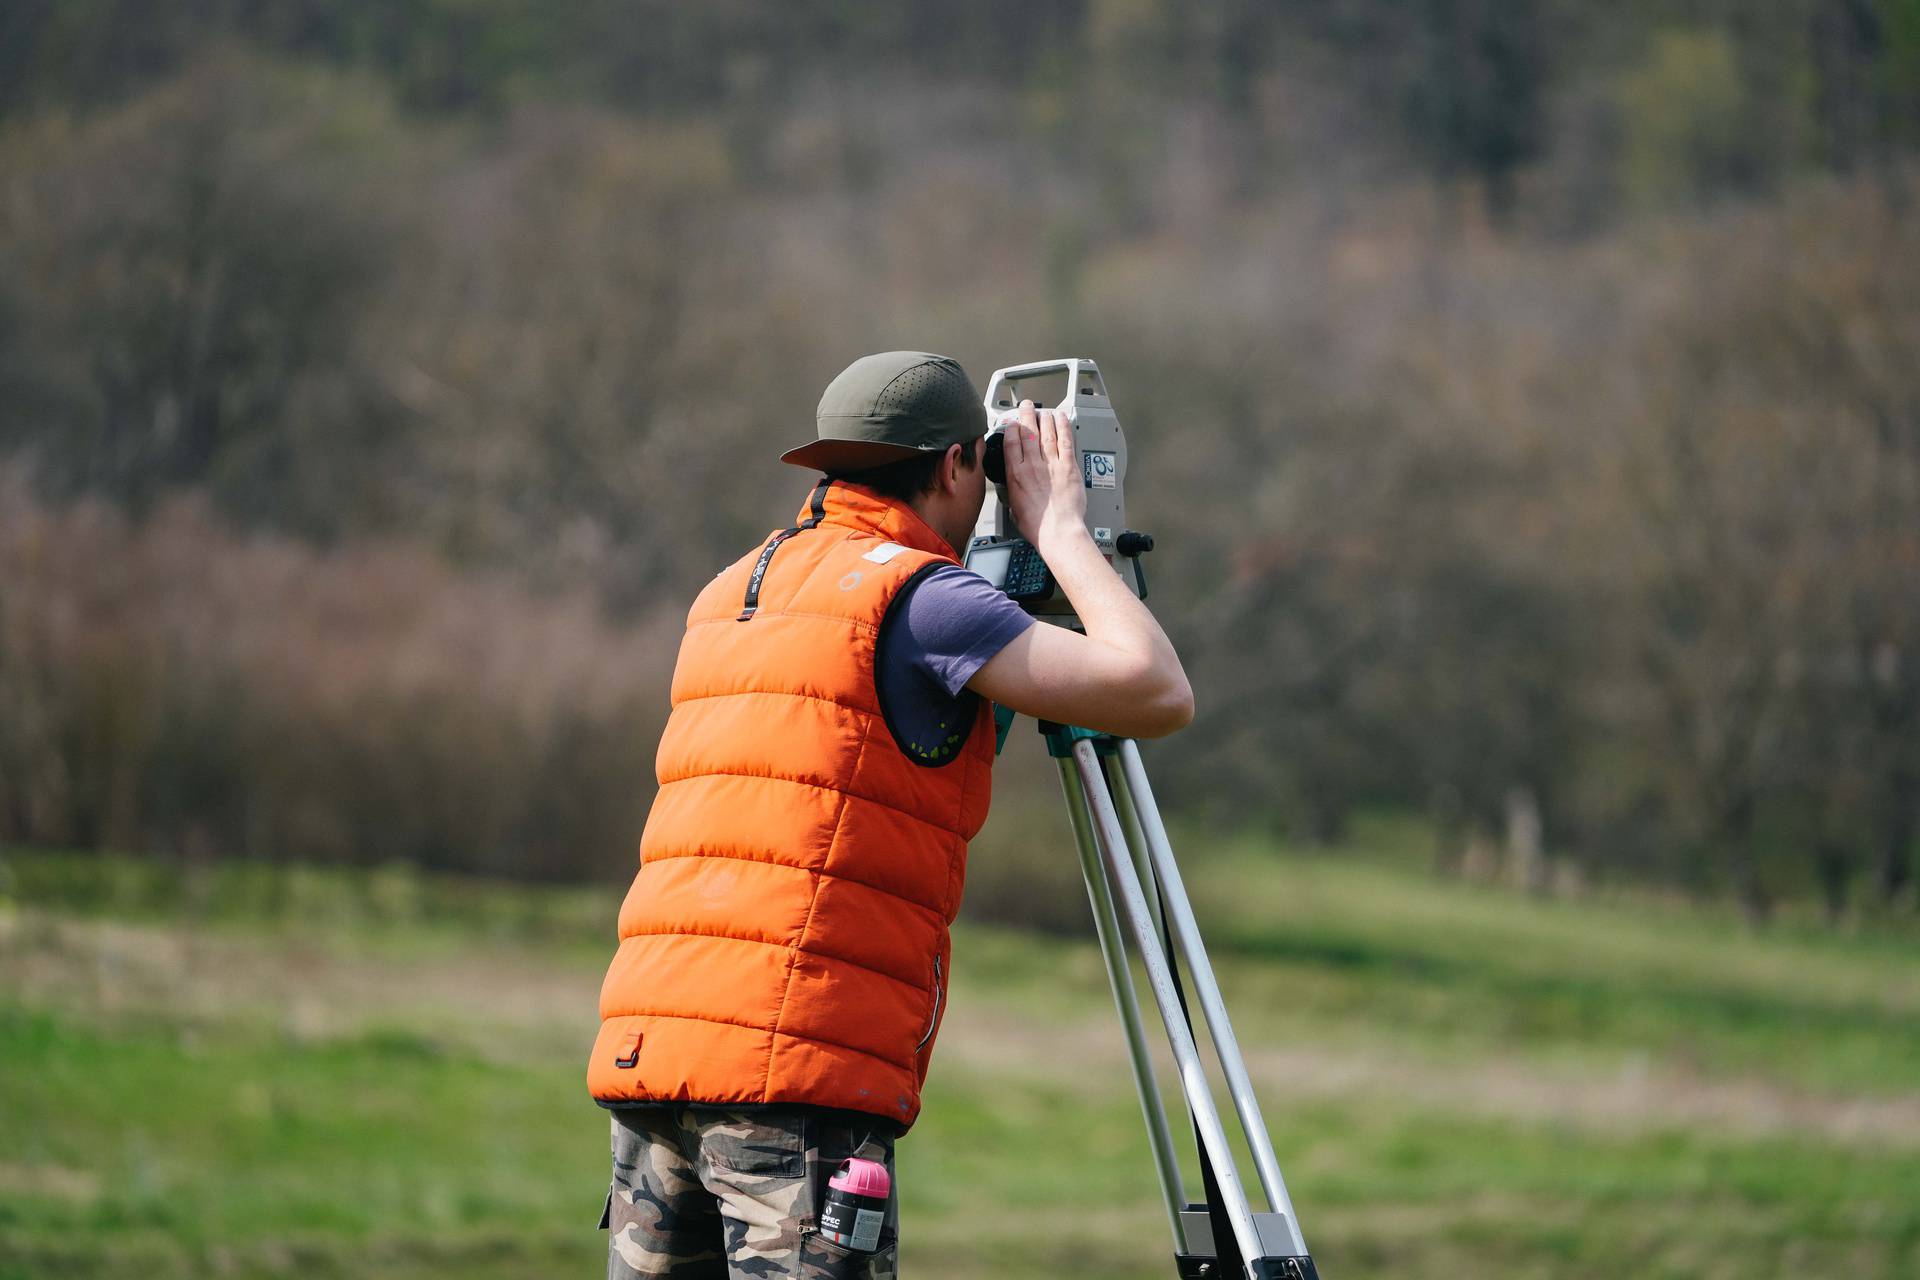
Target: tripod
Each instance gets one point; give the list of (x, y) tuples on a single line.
[(1131, 874), (1129, 867)]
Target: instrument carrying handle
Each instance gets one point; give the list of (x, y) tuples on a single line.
[(1075, 368)]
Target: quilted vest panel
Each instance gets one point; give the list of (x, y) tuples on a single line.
[(785, 940)]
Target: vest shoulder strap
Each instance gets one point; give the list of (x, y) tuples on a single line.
[(817, 511)]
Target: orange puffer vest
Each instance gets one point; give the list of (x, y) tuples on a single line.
[(786, 938)]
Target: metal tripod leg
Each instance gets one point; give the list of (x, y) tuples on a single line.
[(1136, 837), (1186, 932), (1133, 881), (1111, 841), (1120, 977)]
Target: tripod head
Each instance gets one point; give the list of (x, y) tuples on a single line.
[(1000, 552)]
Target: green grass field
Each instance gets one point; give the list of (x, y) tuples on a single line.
[(378, 1075)]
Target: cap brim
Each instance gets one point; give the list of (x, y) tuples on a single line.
[(848, 455)]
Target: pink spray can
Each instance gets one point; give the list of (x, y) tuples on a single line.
[(856, 1205)]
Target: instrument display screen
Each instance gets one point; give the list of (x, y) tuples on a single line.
[(990, 562)]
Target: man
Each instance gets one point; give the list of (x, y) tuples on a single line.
[(783, 951)]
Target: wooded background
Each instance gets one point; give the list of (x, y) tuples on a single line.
[(1525, 395)]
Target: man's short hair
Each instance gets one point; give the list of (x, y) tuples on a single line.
[(907, 479)]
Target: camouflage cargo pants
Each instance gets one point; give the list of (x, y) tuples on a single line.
[(702, 1193)]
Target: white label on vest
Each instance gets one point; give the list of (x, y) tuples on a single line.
[(884, 552)]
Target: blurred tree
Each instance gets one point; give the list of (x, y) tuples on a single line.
[(1768, 567), (1474, 91), (196, 282), (1848, 46), (1685, 110), (1605, 541), (1897, 78)]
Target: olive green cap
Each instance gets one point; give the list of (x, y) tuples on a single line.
[(883, 408)]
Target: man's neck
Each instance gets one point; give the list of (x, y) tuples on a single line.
[(937, 521)]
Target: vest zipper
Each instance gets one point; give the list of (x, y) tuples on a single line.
[(933, 1019)]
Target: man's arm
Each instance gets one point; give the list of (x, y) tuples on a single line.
[(1122, 677)]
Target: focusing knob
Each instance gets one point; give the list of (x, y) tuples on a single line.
[(1134, 543)]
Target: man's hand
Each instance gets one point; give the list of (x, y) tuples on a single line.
[(1122, 676), (1044, 484)]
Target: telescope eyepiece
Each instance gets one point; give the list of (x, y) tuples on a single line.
[(995, 458)]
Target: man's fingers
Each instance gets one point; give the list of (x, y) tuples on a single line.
[(1016, 435), (1062, 440)]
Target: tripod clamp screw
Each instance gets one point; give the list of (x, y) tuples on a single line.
[(1133, 544)]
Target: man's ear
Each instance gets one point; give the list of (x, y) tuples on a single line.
[(950, 469)]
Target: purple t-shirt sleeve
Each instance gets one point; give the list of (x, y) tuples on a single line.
[(954, 621)]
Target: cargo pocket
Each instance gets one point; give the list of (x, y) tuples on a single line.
[(741, 1143), (822, 1259)]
